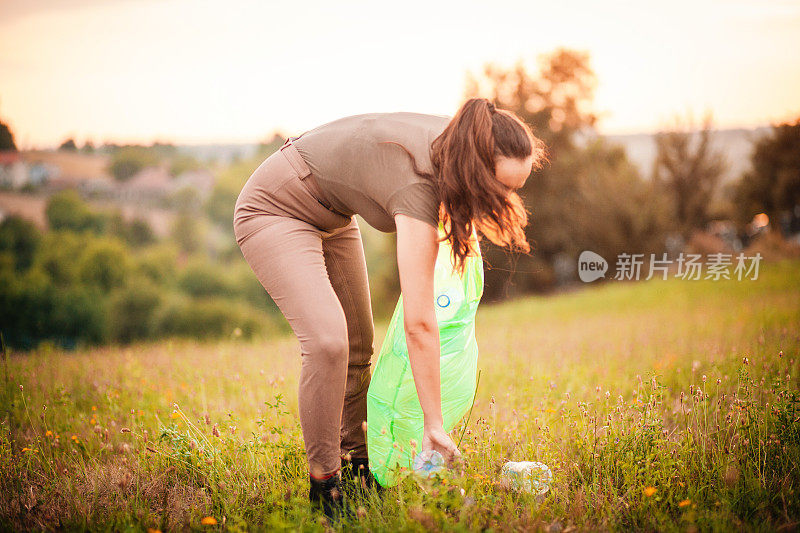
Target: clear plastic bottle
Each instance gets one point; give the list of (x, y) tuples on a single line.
[(530, 476), (428, 462)]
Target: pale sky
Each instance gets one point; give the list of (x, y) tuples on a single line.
[(192, 71)]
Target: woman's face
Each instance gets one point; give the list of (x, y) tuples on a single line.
[(512, 172)]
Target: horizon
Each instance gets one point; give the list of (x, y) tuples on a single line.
[(142, 72), (98, 145)]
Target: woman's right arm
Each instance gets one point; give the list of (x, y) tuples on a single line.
[(416, 258)]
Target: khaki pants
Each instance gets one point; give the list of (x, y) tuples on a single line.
[(310, 259)]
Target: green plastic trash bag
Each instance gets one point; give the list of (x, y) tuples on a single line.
[(394, 414)]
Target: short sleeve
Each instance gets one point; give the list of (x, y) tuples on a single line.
[(417, 200)]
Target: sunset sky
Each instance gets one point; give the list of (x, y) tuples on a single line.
[(192, 71)]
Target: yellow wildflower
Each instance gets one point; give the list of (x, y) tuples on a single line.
[(48, 433), (209, 521), (175, 414), (649, 491), (684, 503)]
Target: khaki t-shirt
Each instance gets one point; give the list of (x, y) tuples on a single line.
[(357, 175)]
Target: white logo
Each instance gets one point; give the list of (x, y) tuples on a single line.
[(591, 266)]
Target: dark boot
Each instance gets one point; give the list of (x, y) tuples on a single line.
[(356, 475), (328, 495)]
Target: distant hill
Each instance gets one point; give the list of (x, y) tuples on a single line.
[(736, 144), (219, 153)]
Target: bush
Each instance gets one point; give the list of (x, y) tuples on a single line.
[(33, 309), (132, 311), (103, 264), (209, 318), (20, 238), (78, 314), (201, 278), (158, 264), (58, 257)]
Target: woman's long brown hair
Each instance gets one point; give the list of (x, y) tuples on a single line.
[(470, 195)]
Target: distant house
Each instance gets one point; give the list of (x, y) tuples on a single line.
[(148, 185), (13, 171), (65, 170)]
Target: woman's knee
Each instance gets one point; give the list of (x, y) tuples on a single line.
[(328, 348)]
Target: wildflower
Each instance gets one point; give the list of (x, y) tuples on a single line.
[(48, 433), (175, 414), (209, 521), (719, 381), (704, 378), (649, 491), (94, 408), (26, 449), (684, 503), (215, 431), (745, 361)]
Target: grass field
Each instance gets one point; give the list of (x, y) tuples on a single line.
[(658, 405)]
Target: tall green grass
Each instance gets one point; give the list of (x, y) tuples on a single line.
[(659, 405)]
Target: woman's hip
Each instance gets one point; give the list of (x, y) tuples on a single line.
[(280, 187)]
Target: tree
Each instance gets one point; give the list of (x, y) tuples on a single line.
[(555, 103), (773, 184), (88, 147), (182, 163), (67, 211), (688, 170), (127, 161), (68, 146), (6, 138), (187, 232)]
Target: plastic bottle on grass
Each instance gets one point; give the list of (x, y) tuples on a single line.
[(529, 476), (428, 462)]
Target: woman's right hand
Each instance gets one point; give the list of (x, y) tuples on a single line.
[(436, 438)]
